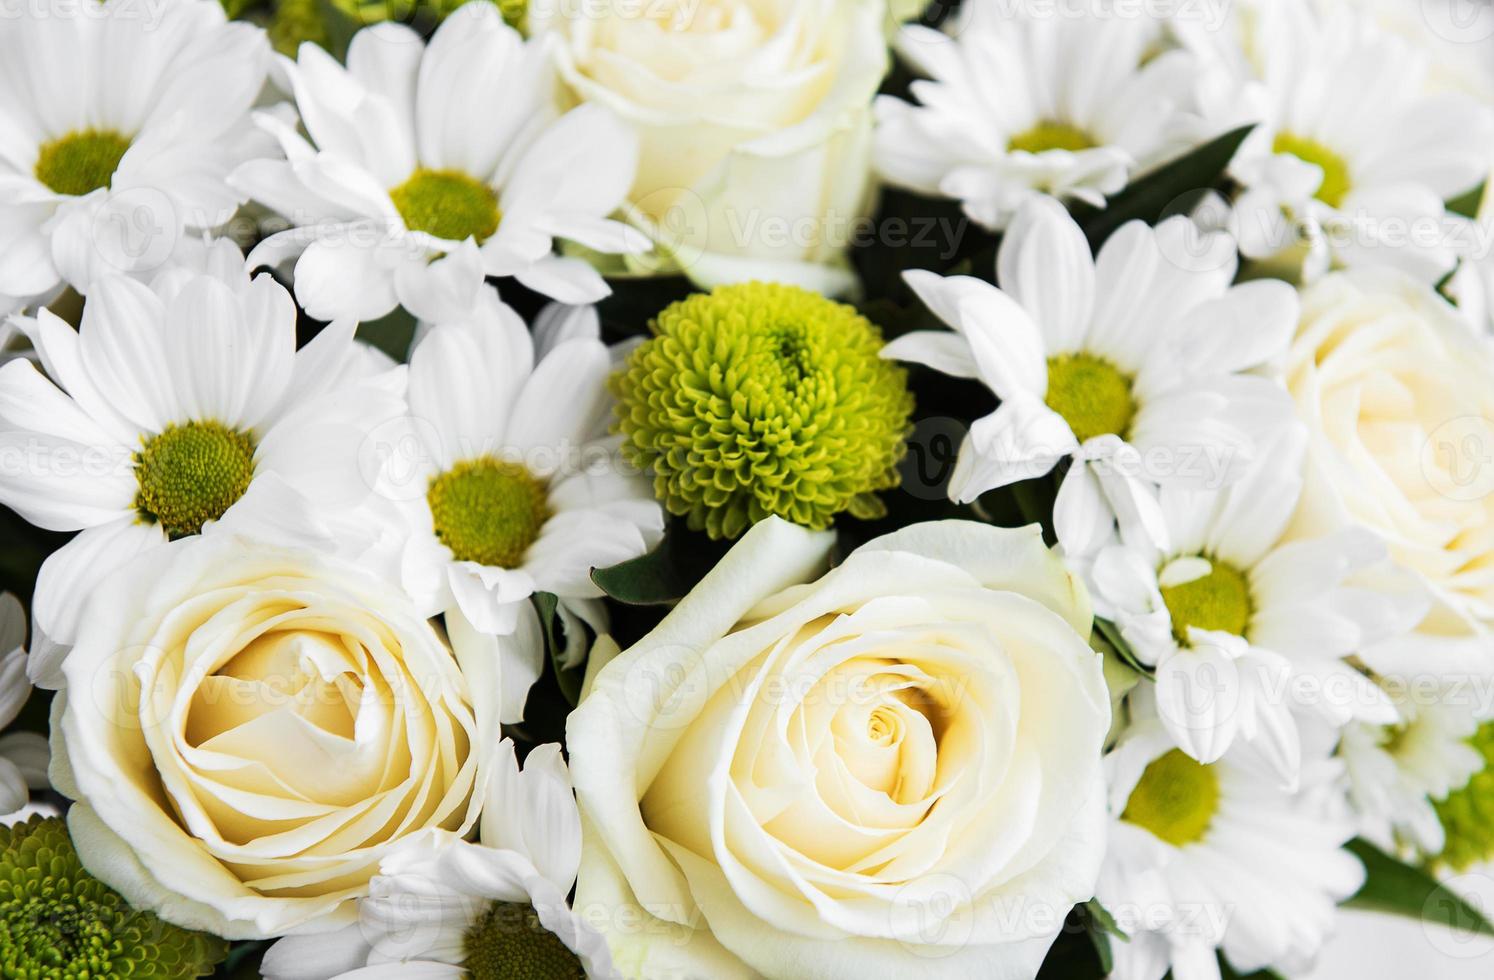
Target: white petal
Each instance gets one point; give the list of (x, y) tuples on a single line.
[(1198, 700), (518, 654), (67, 579), (1045, 265)]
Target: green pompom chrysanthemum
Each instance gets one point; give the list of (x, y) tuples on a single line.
[(1467, 814), (58, 922), (762, 399)]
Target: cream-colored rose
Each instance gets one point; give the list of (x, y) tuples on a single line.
[(755, 118), (248, 730), (1397, 391), (890, 770)]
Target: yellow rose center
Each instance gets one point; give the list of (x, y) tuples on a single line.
[(1176, 799)]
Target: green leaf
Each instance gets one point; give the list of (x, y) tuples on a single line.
[(665, 574), (547, 605), (1398, 888), (1101, 926), (1112, 635), (243, 960), (1468, 204), (1173, 188), (391, 334)]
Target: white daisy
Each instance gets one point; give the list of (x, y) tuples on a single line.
[(442, 907), (1019, 105), (1353, 158), (176, 407), (1206, 858), (1241, 624), (24, 756), (118, 129), (430, 168), (1396, 772), (1132, 364), (511, 482)]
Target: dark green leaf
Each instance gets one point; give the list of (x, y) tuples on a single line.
[(1174, 188), (243, 960), (1469, 203), (556, 641), (391, 334), (1101, 927), (1398, 888), (665, 574)]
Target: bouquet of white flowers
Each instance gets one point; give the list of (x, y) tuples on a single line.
[(684, 489)]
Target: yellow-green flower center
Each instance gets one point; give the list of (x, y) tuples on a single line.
[(1091, 394), (1176, 799), (1467, 814), (190, 474), (508, 941), (1336, 182), (1218, 601), (488, 510), (447, 204), (1049, 135), (81, 161)]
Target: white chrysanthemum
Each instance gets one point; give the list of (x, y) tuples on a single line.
[(23, 755), (1219, 857), (1020, 105), (118, 128), (428, 168), (176, 407), (1454, 37), (442, 907), (514, 485), (1243, 625), (1132, 363), (1395, 772), (1353, 158)]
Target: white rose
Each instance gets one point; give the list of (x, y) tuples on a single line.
[(247, 731), (888, 771), (1397, 392), (755, 118)]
